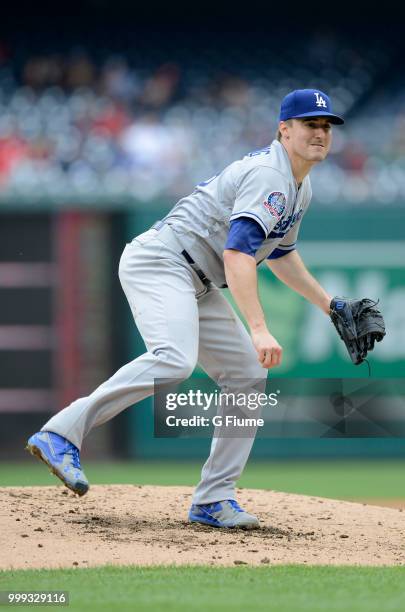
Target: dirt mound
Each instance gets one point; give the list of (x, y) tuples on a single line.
[(144, 525)]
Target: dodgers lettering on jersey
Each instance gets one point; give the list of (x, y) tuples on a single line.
[(261, 187)]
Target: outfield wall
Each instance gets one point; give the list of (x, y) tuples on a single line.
[(65, 325)]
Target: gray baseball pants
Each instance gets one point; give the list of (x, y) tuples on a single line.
[(182, 322)]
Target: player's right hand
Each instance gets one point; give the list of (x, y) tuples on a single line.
[(269, 351)]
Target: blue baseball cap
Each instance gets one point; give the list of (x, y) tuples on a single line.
[(308, 103)]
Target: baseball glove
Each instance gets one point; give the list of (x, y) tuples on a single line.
[(359, 324)]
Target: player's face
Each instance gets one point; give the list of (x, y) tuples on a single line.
[(311, 138)]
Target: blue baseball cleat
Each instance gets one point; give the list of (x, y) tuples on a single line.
[(225, 513), (62, 457)]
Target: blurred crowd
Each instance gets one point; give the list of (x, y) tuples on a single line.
[(72, 126)]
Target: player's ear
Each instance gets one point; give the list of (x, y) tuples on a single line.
[(283, 130)]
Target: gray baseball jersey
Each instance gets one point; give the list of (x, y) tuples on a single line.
[(260, 186)]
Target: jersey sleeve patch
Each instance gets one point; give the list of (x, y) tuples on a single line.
[(275, 204)]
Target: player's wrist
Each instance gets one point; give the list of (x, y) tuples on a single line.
[(325, 304), (257, 326)]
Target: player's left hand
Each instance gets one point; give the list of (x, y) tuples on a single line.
[(359, 324)]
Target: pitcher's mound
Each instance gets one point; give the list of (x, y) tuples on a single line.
[(45, 527)]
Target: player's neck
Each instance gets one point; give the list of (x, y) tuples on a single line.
[(300, 167)]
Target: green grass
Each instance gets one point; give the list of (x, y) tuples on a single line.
[(282, 589), (339, 479)]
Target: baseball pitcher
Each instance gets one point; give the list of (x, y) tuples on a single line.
[(172, 276)]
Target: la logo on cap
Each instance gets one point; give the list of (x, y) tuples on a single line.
[(302, 103), (319, 100)]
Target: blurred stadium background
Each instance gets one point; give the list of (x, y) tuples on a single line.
[(107, 117)]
